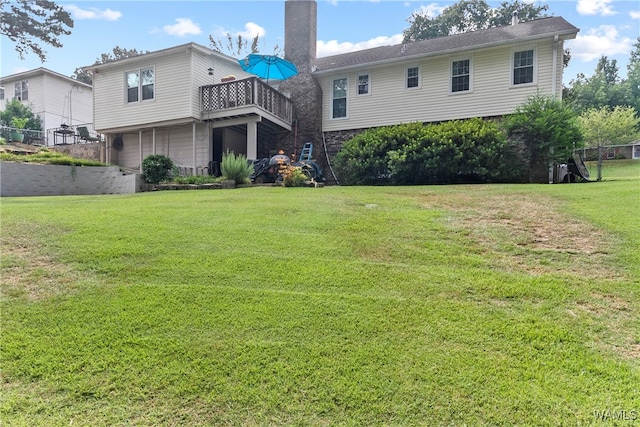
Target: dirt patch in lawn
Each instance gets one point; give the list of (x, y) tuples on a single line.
[(28, 273), (533, 236)]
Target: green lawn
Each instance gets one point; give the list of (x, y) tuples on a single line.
[(492, 305), (613, 170)]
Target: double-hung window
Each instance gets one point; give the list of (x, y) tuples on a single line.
[(461, 75), (363, 84), (339, 98), (140, 84), (523, 67), (21, 90), (413, 77)]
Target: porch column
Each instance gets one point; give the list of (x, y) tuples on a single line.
[(140, 147), (193, 142), (252, 140)]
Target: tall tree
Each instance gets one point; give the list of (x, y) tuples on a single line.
[(17, 109), (234, 46), (609, 126), (603, 89), (469, 15), (28, 23), (633, 77), (116, 54), (548, 130)]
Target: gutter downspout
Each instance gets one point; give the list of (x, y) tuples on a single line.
[(193, 141), (140, 147), (554, 73)]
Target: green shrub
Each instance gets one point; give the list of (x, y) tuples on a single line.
[(457, 151), (363, 160), (293, 176), (549, 131), (156, 168), (471, 150), (236, 168)]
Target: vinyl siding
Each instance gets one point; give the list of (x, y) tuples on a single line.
[(174, 142), (178, 78), (172, 97), (49, 99), (67, 103), (491, 91)]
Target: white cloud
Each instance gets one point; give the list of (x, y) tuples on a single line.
[(182, 27), (431, 10), (596, 42), (93, 13), (251, 30), (333, 47), (595, 7), (635, 14)]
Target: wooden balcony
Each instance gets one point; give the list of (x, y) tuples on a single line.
[(248, 99)]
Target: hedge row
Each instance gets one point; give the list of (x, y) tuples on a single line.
[(459, 151)]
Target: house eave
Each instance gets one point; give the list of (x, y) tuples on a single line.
[(189, 47), (148, 126)]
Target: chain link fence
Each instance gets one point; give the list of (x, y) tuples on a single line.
[(611, 162)]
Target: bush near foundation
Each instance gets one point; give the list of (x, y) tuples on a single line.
[(236, 168), (459, 151), (156, 168)]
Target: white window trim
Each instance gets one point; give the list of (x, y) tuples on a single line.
[(358, 84), (126, 88), (470, 59), (331, 98), (535, 66), (406, 77), (15, 93)]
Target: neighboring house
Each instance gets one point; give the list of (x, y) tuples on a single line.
[(166, 103), (57, 99)]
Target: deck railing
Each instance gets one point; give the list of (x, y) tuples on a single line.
[(246, 92)]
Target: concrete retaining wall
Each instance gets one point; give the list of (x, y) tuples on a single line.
[(24, 179)]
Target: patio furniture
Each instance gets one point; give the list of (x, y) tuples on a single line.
[(84, 134)]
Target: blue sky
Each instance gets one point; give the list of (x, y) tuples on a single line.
[(607, 27)]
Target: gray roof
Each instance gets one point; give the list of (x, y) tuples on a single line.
[(536, 29)]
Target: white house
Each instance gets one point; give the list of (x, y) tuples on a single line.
[(173, 101), (483, 73), (57, 99)]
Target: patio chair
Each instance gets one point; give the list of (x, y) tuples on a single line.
[(83, 132)]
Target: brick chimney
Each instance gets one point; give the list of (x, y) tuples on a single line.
[(300, 33), (300, 21)]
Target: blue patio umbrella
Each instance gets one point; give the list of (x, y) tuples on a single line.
[(268, 66)]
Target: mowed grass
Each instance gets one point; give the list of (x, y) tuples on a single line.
[(436, 306), (615, 169)]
